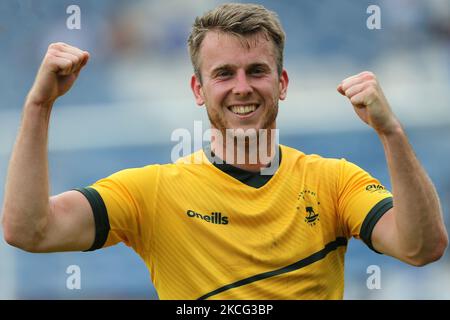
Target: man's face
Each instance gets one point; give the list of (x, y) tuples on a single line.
[(240, 85)]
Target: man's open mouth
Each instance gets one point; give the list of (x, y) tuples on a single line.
[(243, 110)]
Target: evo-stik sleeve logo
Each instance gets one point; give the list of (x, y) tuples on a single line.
[(376, 188), (215, 217)]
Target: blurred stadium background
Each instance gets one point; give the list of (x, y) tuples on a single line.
[(135, 92)]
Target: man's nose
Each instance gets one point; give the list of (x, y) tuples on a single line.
[(242, 86)]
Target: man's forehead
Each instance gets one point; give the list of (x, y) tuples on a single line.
[(222, 38), (215, 44)]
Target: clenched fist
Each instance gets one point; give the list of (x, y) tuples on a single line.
[(369, 102), (59, 70)]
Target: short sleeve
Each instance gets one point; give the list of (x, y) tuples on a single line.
[(123, 207), (362, 201)]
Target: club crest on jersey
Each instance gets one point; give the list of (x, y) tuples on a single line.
[(311, 216), (309, 206)]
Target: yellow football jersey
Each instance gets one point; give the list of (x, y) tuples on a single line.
[(204, 233)]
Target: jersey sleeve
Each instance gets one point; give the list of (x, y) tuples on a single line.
[(362, 201), (123, 206)]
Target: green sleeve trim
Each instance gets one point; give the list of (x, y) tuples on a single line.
[(102, 226), (372, 218)]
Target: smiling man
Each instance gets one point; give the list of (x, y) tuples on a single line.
[(222, 229), (240, 79)]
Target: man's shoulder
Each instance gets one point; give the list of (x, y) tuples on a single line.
[(200, 161), (196, 162), (293, 154), (197, 157)]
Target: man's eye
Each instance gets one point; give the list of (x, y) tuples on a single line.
[(258, 71), (223, 73)]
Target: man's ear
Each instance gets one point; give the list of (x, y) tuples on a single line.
[(196, 87), (284, 81)]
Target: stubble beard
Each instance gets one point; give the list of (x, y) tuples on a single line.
[(219, 122), (230, 136)]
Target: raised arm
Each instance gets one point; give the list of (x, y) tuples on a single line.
[(31, 220), (413, 230)]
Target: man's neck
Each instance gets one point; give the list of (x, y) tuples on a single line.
[(251, 155)]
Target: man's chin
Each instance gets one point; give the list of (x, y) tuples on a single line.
[(244, 127), (243, 131)]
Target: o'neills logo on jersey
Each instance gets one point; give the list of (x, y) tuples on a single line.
[(215, 217)]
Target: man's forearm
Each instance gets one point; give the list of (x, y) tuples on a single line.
[(26, 204), (418, 215)]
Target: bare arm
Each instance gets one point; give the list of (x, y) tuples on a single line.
[(31, 220), (413, 230), (419, 232)]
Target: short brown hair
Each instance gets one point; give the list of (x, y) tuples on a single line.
[(241, 20)]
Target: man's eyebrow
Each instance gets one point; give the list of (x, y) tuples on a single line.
[(228, 66), (259, 64), (222, 67)]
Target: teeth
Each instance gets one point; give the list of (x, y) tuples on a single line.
[(243, 109)]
